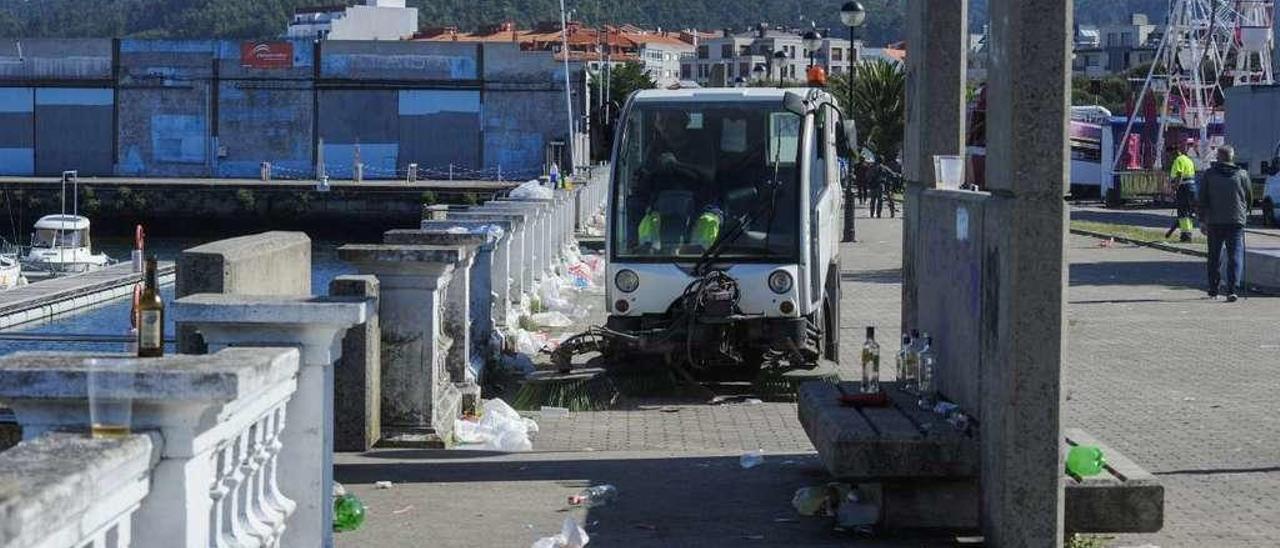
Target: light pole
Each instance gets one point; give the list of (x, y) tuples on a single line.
[(780, 57), (853, 15), (812, 41)]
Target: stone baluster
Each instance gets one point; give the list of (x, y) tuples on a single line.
[(502, 292), (548, 223), (218, 418), (315, 325), (523, 250), (420, 399), (472, 336)]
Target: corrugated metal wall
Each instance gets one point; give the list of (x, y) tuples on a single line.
[(163, 108)]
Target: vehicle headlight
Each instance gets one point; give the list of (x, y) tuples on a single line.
[(781, 281), (626, 281)]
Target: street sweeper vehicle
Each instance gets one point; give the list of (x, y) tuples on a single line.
[(723, 232)]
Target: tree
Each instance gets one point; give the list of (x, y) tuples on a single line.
[(623, 81), (879, 105)]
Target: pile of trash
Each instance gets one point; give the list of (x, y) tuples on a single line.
[(854, 507), (499, 428), (551, 308), (532, 190)]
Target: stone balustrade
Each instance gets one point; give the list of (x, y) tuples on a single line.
[(316, 327), (200, 469)]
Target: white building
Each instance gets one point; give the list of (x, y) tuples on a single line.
[(660, 54), (375, 20), (764, 54)]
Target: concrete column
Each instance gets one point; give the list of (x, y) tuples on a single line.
[(543, 234), (498, 264), (1024, 335), (357, 388), (316, 326), (521, 242), (419, 398), (468, 312), (938, 49)]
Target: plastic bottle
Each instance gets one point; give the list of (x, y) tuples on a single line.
[(348, 513), (1085, 461), (871, 363), (903, 352), (599, 495), (928, 365)]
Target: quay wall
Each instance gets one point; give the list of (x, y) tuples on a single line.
[(206, 108)]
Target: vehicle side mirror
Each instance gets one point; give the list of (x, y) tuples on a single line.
[(849, 137), (794, 103)]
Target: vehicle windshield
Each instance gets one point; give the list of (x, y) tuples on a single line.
[(47, 237), (690, 173)]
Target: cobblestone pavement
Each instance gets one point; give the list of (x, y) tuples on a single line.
[(1182, 385)]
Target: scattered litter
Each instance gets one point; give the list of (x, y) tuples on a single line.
[(723, 400), (348, 513), (1188, 399), (382, 485), (553, 412), (552, 319), (338, 490), (457, 230), (571, 535), (501, 428), (808, 501), (403, 510), (752, 459), (945, 408), (593, 497), (532, 190), (752, 401)]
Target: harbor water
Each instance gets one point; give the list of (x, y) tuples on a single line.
[(112, 318)]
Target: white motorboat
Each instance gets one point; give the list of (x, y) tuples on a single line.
[(61, 245), (11, 272)]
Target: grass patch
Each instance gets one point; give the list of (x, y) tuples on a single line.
[(1087, 541), (1138, 233)]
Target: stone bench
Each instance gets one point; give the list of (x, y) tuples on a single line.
[(928, 470), (1262, 269)]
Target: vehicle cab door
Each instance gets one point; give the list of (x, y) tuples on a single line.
[(822, 184)]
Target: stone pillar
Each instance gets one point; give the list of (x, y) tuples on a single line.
[(499, 263), (1024, 336), (543, 234), (357, 381), (938, 53), (419, 398), (316, 326), (523, 252), (469, 300)]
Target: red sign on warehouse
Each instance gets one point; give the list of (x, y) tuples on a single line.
[(266, 55)]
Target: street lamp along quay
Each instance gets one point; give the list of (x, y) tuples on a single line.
[(812, 41), (854, 16)]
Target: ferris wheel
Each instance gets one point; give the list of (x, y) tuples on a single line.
[(1206, 43)]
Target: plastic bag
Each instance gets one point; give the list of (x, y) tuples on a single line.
[(571, 535), (552, 319), (532, 190), (500, 429)]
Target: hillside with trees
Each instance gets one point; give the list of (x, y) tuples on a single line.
[(268, 18)]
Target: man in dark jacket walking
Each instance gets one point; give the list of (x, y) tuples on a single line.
[(1225, 199)]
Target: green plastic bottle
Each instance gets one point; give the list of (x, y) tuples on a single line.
[(1085, 461), (348, 513)]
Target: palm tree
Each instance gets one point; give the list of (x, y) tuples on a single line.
[(879, 103)]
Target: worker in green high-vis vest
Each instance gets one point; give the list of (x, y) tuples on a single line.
[(1182, 176)]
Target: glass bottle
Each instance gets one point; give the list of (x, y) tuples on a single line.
[(911, 381), (903, 352), (928, 365), (150, 315), (871, 363)]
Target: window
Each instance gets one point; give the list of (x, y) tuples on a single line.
[(704, 52), (744, 70), (686, 72), (837, 54), (726, 51), (792, 70)]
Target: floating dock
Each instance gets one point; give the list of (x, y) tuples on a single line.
[(41, 301)]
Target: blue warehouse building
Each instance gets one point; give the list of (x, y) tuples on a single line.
[(162, 108)]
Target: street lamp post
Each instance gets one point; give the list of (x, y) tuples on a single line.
[(780, 57), (853, 15), (812, 41)]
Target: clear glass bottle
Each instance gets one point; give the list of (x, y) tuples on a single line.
[(911, 381), (871, 363), (903, 356), (928, 368)]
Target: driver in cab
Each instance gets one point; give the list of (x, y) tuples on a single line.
[(680, 169)]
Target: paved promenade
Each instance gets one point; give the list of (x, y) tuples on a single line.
[(1184, 386)]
